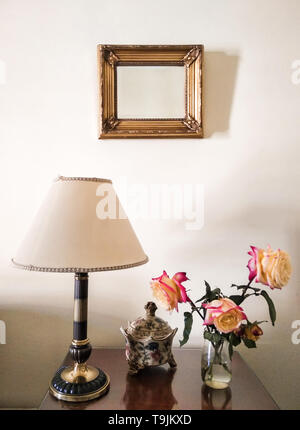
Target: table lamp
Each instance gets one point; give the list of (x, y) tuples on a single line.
[(80, 228)]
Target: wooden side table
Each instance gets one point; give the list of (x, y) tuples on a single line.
[(166, 389)]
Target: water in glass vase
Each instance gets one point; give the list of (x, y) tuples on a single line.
[(216, 364)]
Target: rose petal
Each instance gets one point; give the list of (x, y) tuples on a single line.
[(180, 277)]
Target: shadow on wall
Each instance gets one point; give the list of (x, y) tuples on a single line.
[(220, 71)]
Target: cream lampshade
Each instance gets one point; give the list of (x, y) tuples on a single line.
[(78, 229), (81, 227)]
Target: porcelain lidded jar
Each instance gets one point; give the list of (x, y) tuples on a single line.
[(148, 341)]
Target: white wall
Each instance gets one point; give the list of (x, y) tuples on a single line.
[(248, 163)]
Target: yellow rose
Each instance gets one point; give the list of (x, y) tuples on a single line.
[(170, 291), (272, 268), (275, 268), (228, 321)]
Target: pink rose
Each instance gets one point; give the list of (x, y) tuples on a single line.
[(272, 268), (224, 314), (169, 291)]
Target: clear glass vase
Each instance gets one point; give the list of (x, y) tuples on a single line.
[(216, 364)]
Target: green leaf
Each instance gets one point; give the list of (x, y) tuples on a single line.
[(238, 299), (239, 287), (230, 350), (202, 298), (188, 323), (249, 343), (216, 337), (272, 310), (208, 289), (212, 337), (210, 294), (255, 289), (258, 322), (208, 335), (242, 287), (215, 293), (234, 339)]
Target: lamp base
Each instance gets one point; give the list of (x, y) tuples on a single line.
[(79, 383)]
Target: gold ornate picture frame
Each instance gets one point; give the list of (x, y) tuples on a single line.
[(111, 57)]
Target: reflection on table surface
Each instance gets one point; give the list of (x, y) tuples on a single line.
[(163, 388), (216, 399), (150, 389)]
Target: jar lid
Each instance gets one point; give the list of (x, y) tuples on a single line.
[(150, 326)]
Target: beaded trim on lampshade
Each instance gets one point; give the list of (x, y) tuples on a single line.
[(71, 178), (78, 269)]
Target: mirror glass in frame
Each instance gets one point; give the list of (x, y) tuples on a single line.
[(150, 92)]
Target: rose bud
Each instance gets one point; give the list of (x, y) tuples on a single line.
[(253, 332), (240, 331)]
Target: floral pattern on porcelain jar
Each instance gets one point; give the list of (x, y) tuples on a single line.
[(148, 341)]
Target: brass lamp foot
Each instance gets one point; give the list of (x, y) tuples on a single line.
[(73, 384)]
